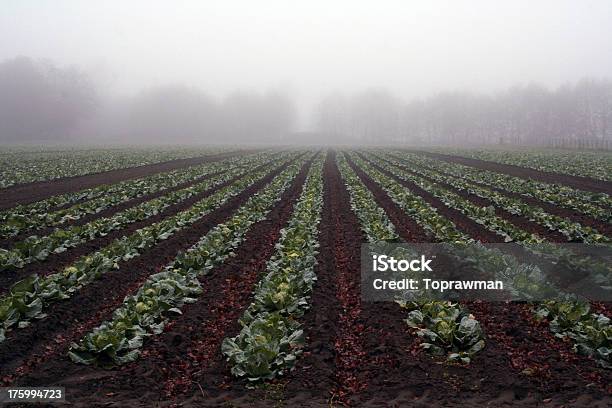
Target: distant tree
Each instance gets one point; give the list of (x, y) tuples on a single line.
[(375, 116), (573, 115), (173, 114), (331, 116), (40, 102), (371, 116), (255, 118)]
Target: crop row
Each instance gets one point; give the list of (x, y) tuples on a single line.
[(27, 167), (271, 337), (596, 205), (446, 327), (445, 231), (486, 216), (39, 215), (587, 164), (39, 208), (36, 248), (590, 332), (573, 231), (145, 313), (28, 299)]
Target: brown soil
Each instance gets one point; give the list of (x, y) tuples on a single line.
[(519, 221), (24, 349), (55, 262), (108, 212), (581, 183), (189, 348), (514, 343), (358, 353), (576, 216), (31, 192)]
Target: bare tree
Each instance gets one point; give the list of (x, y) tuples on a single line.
[(173, 114), (41, 102), (578, 115)]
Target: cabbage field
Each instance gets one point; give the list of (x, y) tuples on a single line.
[(232, 276)]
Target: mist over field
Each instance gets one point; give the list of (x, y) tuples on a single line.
[(276, 203), (274, 72)]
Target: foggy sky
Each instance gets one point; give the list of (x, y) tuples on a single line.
[(312, 48)]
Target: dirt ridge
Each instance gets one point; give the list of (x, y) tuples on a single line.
[(55, 262), (195, 335), (573, 215), (31, 192), (95, 302), (580, 183)]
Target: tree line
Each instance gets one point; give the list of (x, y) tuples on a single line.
[(573, 115), (41, 103)]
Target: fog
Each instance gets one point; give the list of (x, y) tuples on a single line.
[(426, 72)]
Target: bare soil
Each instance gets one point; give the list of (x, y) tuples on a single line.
[(358, 353), (31, 192), (581, 183)]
